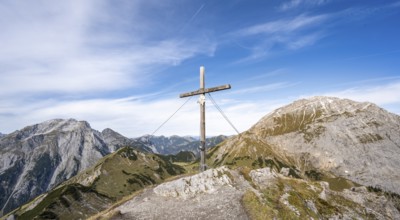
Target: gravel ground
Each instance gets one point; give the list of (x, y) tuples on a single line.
[(223, 204)]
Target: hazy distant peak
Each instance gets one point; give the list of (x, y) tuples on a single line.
[(108, 131)]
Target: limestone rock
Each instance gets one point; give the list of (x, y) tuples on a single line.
[(263, 177), (206, 182)]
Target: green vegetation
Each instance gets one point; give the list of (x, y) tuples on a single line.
[(314, 175), (311, 134), (338, 183), (256, 209), (297, 199), (246, 153), (182, 156), (393, 197), (63, 203), (288, 123), (130, 170), (335, 183), (115, 177), (369, 138)]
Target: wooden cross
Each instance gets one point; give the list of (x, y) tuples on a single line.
[(202, 101)]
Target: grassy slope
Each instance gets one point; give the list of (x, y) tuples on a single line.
[(303, 198), (117, 175)]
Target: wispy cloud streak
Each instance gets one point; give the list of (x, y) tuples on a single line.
[(264, 88), (284, 26), (284, 34), (60, 47), (297, 3), (382, 94)]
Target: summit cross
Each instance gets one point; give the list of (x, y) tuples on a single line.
[(202, 101)]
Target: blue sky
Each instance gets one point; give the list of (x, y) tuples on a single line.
[(122, 64)]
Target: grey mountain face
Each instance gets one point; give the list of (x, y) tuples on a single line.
[(2, 135), (358, 141), (39, 157), (175, 144)]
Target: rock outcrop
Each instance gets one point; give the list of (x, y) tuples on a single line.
[(188, 187)]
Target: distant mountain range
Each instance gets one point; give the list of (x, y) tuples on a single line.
[(175, 144), (37, 158), (2, 135)]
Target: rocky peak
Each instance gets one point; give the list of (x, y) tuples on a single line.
[(108, 133), (39, 157), (321, 106), (355, 140)]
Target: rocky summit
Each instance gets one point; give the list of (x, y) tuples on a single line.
[(37, 158), (354, 140), (241, 194)]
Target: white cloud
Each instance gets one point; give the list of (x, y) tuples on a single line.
[(385, 95), (297, 3), (381, 94), (283, 34), (135, 117), (264, 88), (284, 26), (304, 41), (83, 46), (67, 50)]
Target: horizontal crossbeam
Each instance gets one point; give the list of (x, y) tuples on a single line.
[(204, 91)]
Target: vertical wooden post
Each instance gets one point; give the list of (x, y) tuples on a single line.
[(202, 102)]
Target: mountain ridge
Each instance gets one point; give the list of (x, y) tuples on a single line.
[(171, 145), (38, 157), (112, 178), (329, 134)]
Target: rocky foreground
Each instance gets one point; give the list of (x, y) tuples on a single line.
[(223, 193)]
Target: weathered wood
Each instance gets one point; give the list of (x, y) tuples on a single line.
[(202, 102), (202, 91)]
